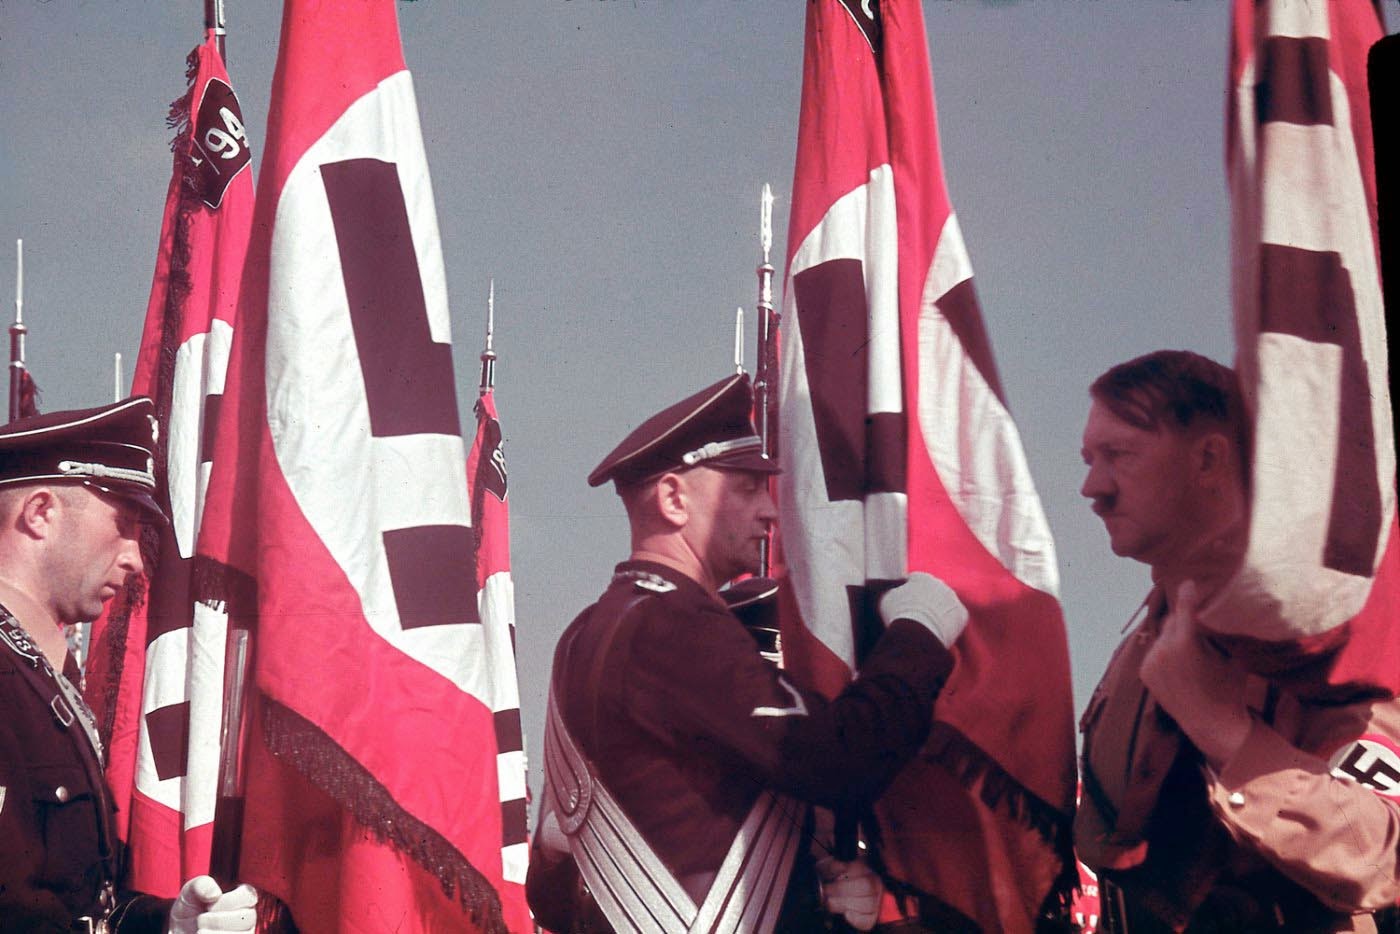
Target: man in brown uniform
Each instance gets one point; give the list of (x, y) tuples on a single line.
[(679, 763), (1215, 800), (75, 488)]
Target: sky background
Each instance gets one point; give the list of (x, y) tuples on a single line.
[(602, 160)]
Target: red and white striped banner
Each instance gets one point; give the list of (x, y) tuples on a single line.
[(1321, 566), (339, 514), (899, 454), (486, 473), (157, 669)]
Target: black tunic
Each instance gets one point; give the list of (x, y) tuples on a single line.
[(59, 850), (687, 723)]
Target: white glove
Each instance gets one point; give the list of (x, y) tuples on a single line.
[(851, 890), (926, 600), (203, 906)]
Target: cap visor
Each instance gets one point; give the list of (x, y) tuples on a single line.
[(138, 496), (752, 461)]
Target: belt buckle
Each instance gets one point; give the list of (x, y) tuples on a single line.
[(61, 711), (86, 925)]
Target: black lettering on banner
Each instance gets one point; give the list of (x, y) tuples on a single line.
[(1378, 774), (409, 386)]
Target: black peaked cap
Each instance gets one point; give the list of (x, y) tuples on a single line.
[(110, 448), (713, 427)]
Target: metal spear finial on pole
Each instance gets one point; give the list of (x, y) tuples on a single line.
[(17, 332), (488, 356), (117, 377)]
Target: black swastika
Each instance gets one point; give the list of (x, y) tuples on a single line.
[(861, 452), (1378, 774), (409, 386)]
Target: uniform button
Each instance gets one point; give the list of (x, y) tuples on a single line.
[(1236, 799), (61, 793)]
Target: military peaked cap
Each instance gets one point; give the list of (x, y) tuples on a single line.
[(109, 448), (714, 427)]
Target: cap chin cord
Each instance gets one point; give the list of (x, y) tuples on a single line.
[(79, 469), (719, 448)]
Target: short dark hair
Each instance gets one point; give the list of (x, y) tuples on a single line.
[(1175, 389)]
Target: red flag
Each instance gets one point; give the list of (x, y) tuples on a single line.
[(486, 473), (900, 455), (338, 513), (1317, 593), (156, 671)]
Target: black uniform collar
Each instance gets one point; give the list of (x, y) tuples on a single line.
[(659, 578)]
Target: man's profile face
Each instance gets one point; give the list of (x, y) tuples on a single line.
[(731, 513), (1139, 482), (96, 547)]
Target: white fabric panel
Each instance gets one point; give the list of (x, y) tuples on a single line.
[(165, 685), (315, 389), (1299, 19), (1312, 197), (496, 602), (971, 438), (419, 480), (200, 365), (510, 773), (515, 860), (207, 651), (829, 546)]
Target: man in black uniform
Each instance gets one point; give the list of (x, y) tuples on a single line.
[(74, 490), (679, 764)]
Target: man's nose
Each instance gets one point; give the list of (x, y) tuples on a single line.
[(130, 557), (767, 509), (1097, 481)]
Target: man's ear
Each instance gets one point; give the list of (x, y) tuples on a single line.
[(1215, 460), (672, 499), (37, 510)]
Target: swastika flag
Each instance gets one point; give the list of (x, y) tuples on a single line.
[(1317, 592), (486, 475), (899, 454), (156, 673), (339, 516)]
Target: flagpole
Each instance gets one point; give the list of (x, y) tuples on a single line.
[(17, 332), (739, 340), (1383, 78), (117, 377), (766, 368), (214, 19), (488, 356)]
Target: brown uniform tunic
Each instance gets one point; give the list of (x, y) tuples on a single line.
[(1300, 831)]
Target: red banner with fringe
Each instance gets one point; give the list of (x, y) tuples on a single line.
[(1317, 596), (899, 454), (156, 669), (338, 516), (489, 487)]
